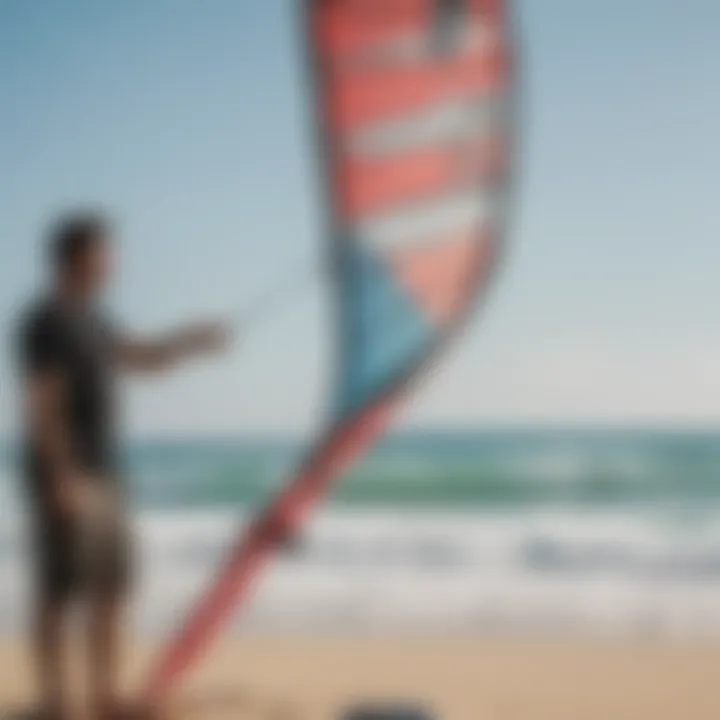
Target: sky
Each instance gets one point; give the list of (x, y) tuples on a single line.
[(190, 123)]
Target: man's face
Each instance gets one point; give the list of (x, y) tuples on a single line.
[(93, 269)]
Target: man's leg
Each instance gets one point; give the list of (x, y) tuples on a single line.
[(106, 614), (55, 589), (108, 575), (49, 646)]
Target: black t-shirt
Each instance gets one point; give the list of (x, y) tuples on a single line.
[(78, 346)]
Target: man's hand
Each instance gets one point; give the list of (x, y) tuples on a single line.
[(75, 496), (208, 337)]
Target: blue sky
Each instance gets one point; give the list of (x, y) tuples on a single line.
[(189, 122)]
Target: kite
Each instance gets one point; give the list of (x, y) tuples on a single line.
[(414, 110)]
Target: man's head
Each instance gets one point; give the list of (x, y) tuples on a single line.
[(79, 249)]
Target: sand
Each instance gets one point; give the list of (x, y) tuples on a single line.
[(461, 679)]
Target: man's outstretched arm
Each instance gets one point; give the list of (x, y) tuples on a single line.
[(155, 354)]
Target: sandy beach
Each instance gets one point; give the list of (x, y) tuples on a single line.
[(461, 679)]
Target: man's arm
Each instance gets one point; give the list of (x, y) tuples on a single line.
[(152, 355), (44, 401), (42, 359)]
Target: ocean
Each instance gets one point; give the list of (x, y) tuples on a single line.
[(560, 532)]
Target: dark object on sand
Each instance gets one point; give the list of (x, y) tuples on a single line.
[(388, 712)]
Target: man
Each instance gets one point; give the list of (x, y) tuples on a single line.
[(69, 354)]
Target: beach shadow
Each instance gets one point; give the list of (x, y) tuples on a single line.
[(20, 713), (234, 704), (219, 704)]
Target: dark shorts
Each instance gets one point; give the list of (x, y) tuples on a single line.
[(73, 558)]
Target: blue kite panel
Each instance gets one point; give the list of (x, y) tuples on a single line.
[(386, 331)]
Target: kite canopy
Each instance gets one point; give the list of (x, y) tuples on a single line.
[(415, 133), (415, 110)]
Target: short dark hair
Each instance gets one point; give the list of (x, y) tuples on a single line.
[(73, 235)]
